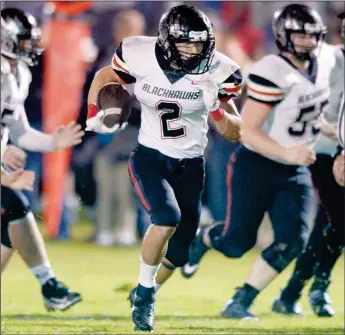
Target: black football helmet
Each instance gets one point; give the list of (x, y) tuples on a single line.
[(297, 18), (186, 24), (20, 36)]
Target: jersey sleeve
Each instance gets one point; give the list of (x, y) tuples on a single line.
[(231, 86), (120, 66), (263, 90)]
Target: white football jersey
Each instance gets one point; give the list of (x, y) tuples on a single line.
[(173, 115), (14, 91), (325, 144), (297, 100)]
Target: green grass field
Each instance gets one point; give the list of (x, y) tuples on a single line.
[(105, 275)]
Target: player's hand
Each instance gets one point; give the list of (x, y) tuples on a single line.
[(329, 129), (209, 93), (67, 136), (19, 180), (14, 157), (339, 169), (96, 124), (299, 154)]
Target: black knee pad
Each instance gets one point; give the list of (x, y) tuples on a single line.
[(5, 237), (177, 254), (279, 254), (179, 243), (226, 247)]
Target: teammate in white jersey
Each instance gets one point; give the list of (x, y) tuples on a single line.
[(20, 39), (179, 80), (269, 172), (326, 241), (19, 179)]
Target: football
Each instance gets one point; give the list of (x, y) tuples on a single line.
[(115, 101)]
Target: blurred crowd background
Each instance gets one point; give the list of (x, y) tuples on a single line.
[(97, 188)]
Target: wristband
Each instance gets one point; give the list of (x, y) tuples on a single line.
[(218, 114), (92, 110)]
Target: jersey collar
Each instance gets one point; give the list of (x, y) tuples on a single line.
[(172, 76), (310, 73)]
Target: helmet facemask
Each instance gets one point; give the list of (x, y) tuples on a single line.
[(30, 46)]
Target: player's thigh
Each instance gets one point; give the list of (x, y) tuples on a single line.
[(293, 208), (5, 237), (147, 173), (248, 197), (188, 186), (14, 204), (331, 195)]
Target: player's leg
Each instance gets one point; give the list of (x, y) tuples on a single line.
[(332, 198), (188, 187), (248, 197), (304, 269), (187, 183), (289, 212), (27, 240), (6, 245), (148, 171)]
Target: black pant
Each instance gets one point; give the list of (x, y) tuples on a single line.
[(170, 190), (257, 185), (14, 206), (327, 238)]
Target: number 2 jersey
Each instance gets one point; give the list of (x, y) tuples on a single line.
[(173, 113), (297, 99)]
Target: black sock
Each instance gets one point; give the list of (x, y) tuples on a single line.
[(247, 294), (145, 293)]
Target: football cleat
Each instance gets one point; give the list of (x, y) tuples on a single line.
[(237, 310), (238, 307), (131, 296), (143, 310), (57, 296), (287, 307), (320, 302)]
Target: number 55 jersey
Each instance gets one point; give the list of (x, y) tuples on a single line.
[(298, 98), (173, 116)]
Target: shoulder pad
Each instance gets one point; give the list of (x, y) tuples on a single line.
[(222, 67)]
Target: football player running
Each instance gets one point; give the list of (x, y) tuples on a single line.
[(179, 79), (20, 44), (287, 93), (326, 242)]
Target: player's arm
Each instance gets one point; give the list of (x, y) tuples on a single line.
[(228, 121), (331, 115), (262, 96), (117, 72), (223, 112), (28, 138), (254, 115)]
